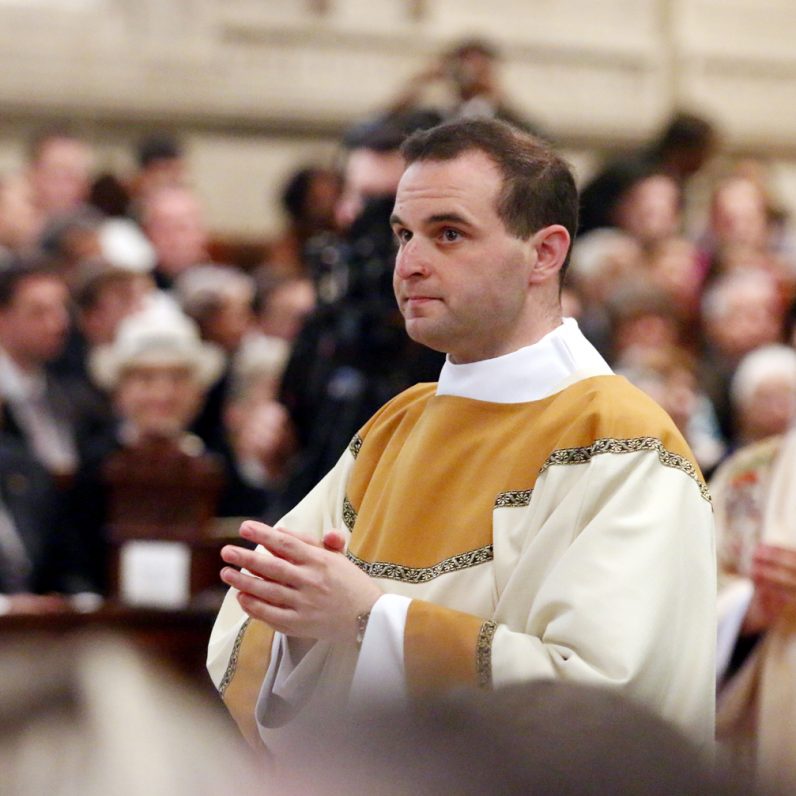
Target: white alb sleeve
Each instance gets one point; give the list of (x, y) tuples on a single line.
[(379, 676)]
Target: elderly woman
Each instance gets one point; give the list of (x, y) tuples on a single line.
[(157, 372), (763, 392)]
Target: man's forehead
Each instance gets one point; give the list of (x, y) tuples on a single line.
[(470, 164), (471, 177)]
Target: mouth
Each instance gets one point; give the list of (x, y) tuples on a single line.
[(419, 299)]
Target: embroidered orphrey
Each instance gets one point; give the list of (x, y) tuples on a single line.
[(379, 569), (349, 514), (608, 445), (513, 500), (355, 445), (233, 659), (483, 654)]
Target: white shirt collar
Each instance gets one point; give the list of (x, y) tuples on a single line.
[(17, 385), (559, 359)]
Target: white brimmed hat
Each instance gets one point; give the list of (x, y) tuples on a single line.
[(159, 335)]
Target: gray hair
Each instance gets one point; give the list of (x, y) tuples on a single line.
[(715, 303), (757, 367)]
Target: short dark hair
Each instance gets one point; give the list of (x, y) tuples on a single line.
[(386, 133), (474, 45), (538, 185), (296, 190), (158, 147), (17, 271), (685, 130)]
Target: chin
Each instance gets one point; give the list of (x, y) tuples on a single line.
[(161, 428)]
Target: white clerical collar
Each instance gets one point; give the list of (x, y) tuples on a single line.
[(560, 358)]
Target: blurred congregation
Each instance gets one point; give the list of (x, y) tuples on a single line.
[(159, 381)]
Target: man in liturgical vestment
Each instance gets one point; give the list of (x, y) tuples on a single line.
[(530, 515)]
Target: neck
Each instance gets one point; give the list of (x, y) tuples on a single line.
[(540, 329)]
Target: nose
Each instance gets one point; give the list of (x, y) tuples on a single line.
[(411, 260), (57, 321)]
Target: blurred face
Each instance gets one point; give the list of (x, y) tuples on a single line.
[(738, 214), (230, 322), (461, 279), (173, 221), (651, 209), (674, 268), (617, 261), (34, 326), (368, 174), (60, 175), (159, 400), (287, 308), (680, 397), (323, 195), (648, 330), (774, 404), (116, 301), (770, 409), (20, 223), (752, 317), (473, 73)]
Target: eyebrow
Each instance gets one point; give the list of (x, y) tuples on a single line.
[(437, 218)]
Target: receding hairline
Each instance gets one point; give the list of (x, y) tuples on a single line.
[(452, 216), (474, 150)]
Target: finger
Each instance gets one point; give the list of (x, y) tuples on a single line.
[(252, 526), (279, 618), (261, 564), (304, 537), (267, 591), (279, 542), (775, 577), (771, 566), (334, 540), (771, 554)]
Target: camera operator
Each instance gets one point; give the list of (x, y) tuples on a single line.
[(353, 353)]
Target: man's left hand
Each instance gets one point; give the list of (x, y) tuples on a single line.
[(304, 588)]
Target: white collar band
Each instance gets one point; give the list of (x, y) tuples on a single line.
[(560, 358)]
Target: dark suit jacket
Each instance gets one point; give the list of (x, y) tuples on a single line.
[(33, 504), (60, 403)]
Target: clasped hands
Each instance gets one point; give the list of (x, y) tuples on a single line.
[(774, 576), (297, 585)]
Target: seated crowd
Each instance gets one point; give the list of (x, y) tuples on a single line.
[(123, 329)]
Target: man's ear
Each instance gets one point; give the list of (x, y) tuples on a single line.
[(551, 245)]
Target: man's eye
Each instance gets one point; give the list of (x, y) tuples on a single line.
[(451, 235), (403, 235)]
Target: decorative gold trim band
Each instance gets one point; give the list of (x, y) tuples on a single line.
[(483, 654), (349, 514), (233, 659), (608, 445), (355, 445), (380, 569), (513, 500)]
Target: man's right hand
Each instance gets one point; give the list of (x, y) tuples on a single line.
[(304, 588)]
